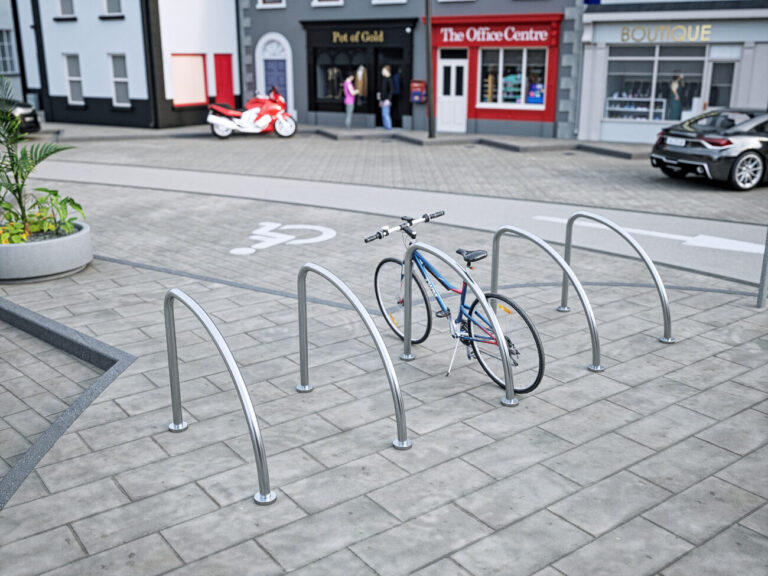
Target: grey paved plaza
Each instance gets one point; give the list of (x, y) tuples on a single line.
[(657, 465)]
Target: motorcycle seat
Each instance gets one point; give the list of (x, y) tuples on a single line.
[(226, 110)]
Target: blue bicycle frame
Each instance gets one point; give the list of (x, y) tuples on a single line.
[(426, 268)]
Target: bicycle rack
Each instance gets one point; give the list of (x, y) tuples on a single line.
[(667, 338), (401, 442), (264, 496), (763, 276), (509, 398), (595, 366)]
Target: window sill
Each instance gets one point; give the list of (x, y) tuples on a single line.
[(76, 106), (122, 107), (270, 6), (326, 3), (112, 17), (521, 107), (65, 18)]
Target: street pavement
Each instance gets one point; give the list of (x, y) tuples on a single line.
[(656, 465)]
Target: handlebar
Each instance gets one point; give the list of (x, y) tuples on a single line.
[(406, 227)]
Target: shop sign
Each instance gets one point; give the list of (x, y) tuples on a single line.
[(666, 33), (358, 37), (493, 35)]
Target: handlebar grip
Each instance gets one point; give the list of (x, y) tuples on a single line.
[(373, 237), (428, 217)]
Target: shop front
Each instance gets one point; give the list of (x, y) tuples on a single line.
[(496, 73), (643, 74), (361, 48)]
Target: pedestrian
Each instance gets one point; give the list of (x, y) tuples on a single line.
[(675, 104), (386, 97), (349, 99)]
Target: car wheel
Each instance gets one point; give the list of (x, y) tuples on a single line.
[(674, 172), (747, 171)]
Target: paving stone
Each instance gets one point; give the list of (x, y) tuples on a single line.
[(353, 444), (365, 410), (737, 551), (348, 481), (31, 489), (589, 422), (132, 521), (684, 464), (645, 368), (157, 398), (724, 400), (653, 396), (757, 378), (757, 521), (749, 473), (437, 447), (430, 489), (160, 476), (420, 541), (522, 548), (297, 405), (704, 509), (203, 433), (637, 547), (505, 421), (93, 466), (666, 427), (598, 459), (326, 532), (445, 567), (12, 443), (233, 561), (707, 372), (148, 556), (9, 404), (750, 354), (429, 417), (513, 498), (579, 393), (97, 415), (212, 533), (29, 423), (511, 455), (40, 553), (611, 502), (741, 433), (34, 517), (132, 428), (233, 485)]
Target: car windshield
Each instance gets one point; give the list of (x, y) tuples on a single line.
[(717, 121)]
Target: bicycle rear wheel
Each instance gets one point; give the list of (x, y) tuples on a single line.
[(523, 343), (390, 296)]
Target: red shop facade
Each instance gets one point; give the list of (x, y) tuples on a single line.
[(496, 73)]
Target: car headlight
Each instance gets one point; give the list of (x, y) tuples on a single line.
[(22, 110)]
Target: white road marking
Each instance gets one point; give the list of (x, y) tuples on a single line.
[(698, 241)]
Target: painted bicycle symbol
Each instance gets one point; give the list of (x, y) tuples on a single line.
[(267, 235)]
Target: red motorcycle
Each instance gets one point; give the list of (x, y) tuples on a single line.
[(261, 114)]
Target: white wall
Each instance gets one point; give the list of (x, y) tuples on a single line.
[(93, 39), (199, 27)]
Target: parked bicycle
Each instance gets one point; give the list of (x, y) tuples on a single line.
[(469, 327)]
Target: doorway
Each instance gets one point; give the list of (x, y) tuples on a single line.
[(394, 58), (452, 91)]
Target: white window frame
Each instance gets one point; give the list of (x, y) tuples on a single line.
[(61, 9), (383, 2), (326, 3), (262, 5), (108, 13), (71, 79), (523, 86), (115, 81), (7, 38), (455, 1)]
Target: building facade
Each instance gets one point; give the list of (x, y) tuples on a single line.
[(153, 63), (649, 64), (500, 66)]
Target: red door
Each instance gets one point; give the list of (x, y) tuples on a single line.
[(224, 91)]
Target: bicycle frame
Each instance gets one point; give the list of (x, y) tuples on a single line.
[(426, 269)]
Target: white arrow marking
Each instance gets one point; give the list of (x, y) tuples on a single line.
[(698, 241)]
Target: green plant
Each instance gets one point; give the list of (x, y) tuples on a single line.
[(16, 165)]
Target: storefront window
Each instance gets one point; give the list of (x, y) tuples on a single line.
[(331, 69), (654, 82), (512, 87)]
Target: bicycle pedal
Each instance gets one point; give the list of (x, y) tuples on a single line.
[(442, 314)]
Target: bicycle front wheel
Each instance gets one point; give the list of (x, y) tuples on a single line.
[(522, 340), (390, 296)]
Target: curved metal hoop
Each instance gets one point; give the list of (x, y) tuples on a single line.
[(509, 398), (667, 338), (264, 496), (401, 442), (513, 230)]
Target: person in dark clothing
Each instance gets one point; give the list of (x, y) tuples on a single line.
[(386, 97)]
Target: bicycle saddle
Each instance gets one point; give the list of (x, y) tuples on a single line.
[(471, 255)]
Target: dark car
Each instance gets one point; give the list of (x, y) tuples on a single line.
[(25, 112), (727, 145)]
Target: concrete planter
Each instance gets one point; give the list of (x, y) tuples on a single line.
[(39, 260)]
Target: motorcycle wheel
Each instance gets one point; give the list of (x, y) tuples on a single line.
[(285, 127), (221, 131)]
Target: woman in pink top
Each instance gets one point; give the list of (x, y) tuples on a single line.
[(349, 99)]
